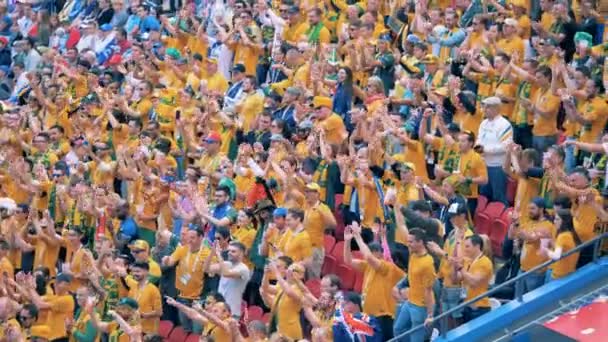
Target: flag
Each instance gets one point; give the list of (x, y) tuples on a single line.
[(352, 327)]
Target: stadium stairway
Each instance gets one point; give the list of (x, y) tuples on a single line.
[(522, 321)]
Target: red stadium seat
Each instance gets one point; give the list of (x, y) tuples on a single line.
[(329, 265), (328, 243), (339, 233), (338, 199), (164, 328), (193, 338), (266, 318), (178, 335), (487, 216), (254, 313), (338, 252), (511, 190), (314, 286), (347, 276), (358, 281), (482, 203), (498, 231)]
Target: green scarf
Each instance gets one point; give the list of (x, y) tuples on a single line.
[(314, 32), (53, 202)]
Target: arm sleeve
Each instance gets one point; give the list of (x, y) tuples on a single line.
[(455, 39)]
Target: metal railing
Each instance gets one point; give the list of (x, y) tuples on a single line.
[(518, 281)]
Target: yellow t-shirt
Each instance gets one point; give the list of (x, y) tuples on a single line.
[(335, 131), (314, 223), (297, 245), (593, 110), (189, 271), (450, 246), (567, 265), (218, 334), (472, 165), (530, 257), (511, 46), (479, 267), (249, 109), (585, 217), (6, 268), (377, 286), (149, 300), (62, 308), (547, 102), (421, 277), (287, 312)]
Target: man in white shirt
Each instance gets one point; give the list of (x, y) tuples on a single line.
[(234, 276), (495, 134)]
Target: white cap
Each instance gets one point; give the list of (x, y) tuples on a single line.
[(491, 101), (511, 22)]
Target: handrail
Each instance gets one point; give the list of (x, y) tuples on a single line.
[(442, 318)]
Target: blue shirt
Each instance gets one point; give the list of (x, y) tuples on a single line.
[(128, 229)]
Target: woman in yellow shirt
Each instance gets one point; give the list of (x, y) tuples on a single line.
[(566, 239), (287, 302)]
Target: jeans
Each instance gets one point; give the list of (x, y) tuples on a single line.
[(408, 316), (187, 324), (495, 189), (541, 144), (548, 276), (386, 326), (570, 160), (451, 297), (533, 281), (472, 206)]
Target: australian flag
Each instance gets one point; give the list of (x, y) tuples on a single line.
[(357, 327)]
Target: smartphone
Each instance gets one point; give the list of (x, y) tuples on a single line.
[(178, 114)]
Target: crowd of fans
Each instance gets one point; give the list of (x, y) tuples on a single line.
[(187, 161)]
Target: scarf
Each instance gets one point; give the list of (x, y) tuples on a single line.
[(314, 32), (320, 177)]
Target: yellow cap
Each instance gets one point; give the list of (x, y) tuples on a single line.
[(407, 166), (140, 244), (430, 59), (322, 101), (443, 91), (313, 187), (519, 3)]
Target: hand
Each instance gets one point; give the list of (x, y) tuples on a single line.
[(170, 301), (356, 228), (428, 321), (434, 247), (348, 233)]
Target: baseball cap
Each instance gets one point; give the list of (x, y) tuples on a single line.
[(322, 101), (452, 127), (511, 22), (213, 136), (412, 38), (139, 245), (430, 59), (3, 40), (313, 187), (128, 301), (173, 53), (539, 202), (491, 101), (279, 212), (106, 27), (238, 68)]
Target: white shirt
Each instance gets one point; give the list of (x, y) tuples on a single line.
[(232, 288), (494, 135)]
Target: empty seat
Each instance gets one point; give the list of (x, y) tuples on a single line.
[(347, 276), (487, 216), (254, 313), (178, 335), (328, 243), (164, 328)]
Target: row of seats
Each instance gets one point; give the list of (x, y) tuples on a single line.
[(492, 219)]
